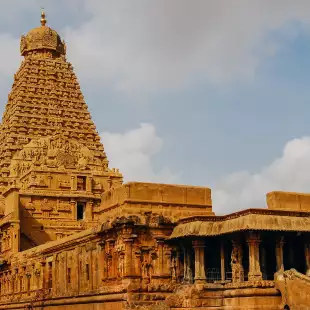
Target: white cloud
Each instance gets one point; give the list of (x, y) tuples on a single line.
[(243, 190), (150, 45), (154, 45), (132, 153)]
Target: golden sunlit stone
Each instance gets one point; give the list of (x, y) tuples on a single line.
[(73, 236)]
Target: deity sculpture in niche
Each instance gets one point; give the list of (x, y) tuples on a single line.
[(147, 265)]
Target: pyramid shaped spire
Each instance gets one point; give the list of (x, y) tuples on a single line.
[(45, 102)]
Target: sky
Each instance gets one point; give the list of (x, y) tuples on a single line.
[(207, 92)]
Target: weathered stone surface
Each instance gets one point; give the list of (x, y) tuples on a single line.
[(73, 236)]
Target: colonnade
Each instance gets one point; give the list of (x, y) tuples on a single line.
[(256, 259)]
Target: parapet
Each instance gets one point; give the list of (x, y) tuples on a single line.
[(288, 201), (171, 200)]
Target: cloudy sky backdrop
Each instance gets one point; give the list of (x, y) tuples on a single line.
[(205, 92)]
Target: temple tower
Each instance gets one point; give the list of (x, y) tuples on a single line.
[(51, 157)]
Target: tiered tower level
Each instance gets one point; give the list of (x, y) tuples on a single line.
[(49, 147)]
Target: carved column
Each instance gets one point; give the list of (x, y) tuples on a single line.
[(55, 277), (111, 259), (49, 181), (187, 265), (16, 276), (128, 264), (43, 275), (167, 261), (76, 270), (222, 261), (73, 209), (62, 273), (263, 262), (101, 263), (89, 182), (160, 258), (65, 285), (137, 265), (236, 262), (89, 210), (94, 267), (178, 266), (253, 241), (279, 253), (73, 183), (199, 247)]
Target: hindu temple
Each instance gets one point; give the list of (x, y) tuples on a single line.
[(74, 236)]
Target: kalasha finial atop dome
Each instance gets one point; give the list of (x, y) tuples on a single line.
[(43, 19), (42, 39)]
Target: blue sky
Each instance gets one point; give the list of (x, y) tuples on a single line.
[(209, 93)]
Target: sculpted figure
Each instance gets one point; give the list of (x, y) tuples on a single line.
[(147, 266), (236, 263)]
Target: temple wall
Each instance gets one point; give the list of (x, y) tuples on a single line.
[(95, 264), (45, 218), (174, 201), (288, 201)]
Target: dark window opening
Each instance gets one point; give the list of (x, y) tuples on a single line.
[(87, 272), (69, 276), (42, 228), (80, 211), (81, 183)]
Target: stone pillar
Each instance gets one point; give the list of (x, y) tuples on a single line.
[(62, 273), (236, 262), (49, 181), (167, 261), (76, 270), (307, 257), (73, 209), (55, 274), (263, 262), (253, 241), (199, 247), (65, 285), (73, 183), (222, 262), (137, 264), (187, 265), (89, 210), (94, 268), (160, 258), (111, 259), (128, 261), (101, 263), (89, 182), (279, 253)]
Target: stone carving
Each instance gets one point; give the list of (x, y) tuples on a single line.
[(70, 231), (236, 263)]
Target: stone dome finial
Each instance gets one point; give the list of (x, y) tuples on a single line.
[(42, 39), (43, 19)]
